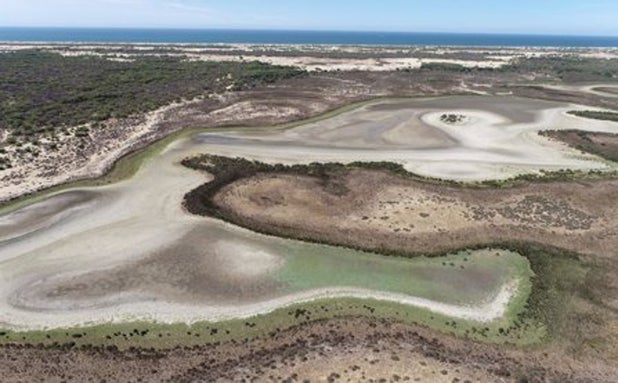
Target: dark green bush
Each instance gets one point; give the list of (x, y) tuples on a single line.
[(41, 91)]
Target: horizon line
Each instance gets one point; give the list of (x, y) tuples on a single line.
[(258, 29)]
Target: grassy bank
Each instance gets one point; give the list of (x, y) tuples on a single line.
[(228, 170), (547, 309)]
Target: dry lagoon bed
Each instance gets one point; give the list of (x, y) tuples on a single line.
[(497, 139), (128, 251)]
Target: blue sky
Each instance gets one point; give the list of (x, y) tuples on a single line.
[(585, 17)]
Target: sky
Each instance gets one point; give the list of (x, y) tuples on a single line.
[(571, 17)]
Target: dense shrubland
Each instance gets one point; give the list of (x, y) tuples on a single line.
[(42, 91), (564, 68)]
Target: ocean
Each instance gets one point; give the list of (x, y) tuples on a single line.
[(212, 36)]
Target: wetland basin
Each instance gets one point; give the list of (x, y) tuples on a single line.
[(129, 252)]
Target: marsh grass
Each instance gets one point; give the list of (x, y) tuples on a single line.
[(545, 310)]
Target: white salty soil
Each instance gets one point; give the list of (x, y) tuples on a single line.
[(486, 145)]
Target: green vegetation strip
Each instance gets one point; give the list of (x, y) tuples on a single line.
[(596, 115), (570, 69), (546, 309), (470, 276)]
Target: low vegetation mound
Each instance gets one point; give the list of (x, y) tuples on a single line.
[(604, 145), (368, 208), (596, 115), (452, 118), (342, 204)]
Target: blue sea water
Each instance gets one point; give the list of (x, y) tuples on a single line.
[(210, 36)]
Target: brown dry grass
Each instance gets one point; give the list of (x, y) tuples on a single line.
[(602, 144), (377, 210), (353, 349)]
